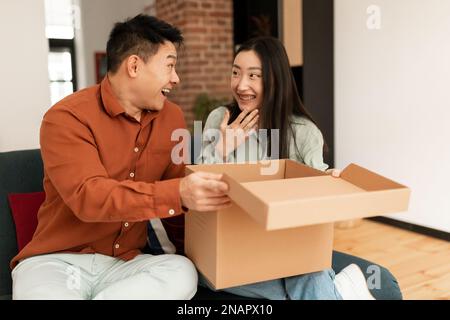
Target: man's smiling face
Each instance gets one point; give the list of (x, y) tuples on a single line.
[(157, 77)]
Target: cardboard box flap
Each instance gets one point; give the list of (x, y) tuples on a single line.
[(317, 198), (296, 170), (297, 189), (241, 172), (279, 202), (367, 180), (249, 201)]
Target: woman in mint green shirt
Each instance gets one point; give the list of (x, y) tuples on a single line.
[(266, 97), (259, 65)]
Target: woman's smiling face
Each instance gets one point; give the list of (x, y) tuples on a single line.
[(246, 80)]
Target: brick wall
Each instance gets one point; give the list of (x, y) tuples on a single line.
[(204, 64)]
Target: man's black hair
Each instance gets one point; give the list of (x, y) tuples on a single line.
[(142, 36)]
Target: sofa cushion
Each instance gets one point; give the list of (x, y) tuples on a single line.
[(20, 172), (24, 208)]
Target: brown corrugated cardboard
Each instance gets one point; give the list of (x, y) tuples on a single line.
[(281, 224)]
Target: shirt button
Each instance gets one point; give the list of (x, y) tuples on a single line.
[(136, 149), (132, 174), (117, 246), (171, 212), (126, 224)]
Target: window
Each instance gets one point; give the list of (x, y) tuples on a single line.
[(60, 31)]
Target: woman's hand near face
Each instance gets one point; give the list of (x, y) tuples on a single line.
[(234, 134)]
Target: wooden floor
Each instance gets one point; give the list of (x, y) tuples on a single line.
[(420, 263)]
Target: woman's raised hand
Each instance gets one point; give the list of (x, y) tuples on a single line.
[(234, 134)]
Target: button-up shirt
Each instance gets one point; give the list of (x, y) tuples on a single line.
[(105, 175)]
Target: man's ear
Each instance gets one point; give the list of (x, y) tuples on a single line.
[(132, 65)]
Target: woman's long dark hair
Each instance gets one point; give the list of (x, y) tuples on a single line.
[(280, 99)]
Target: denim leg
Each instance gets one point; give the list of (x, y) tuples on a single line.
[(313, 286), (382, 283), (271, 289)]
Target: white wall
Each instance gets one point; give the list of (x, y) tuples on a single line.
[(97, 20), (392, 99), (24, 85)]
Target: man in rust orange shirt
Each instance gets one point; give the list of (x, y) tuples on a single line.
[(107, 172)]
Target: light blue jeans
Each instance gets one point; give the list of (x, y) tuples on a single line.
[(311, 286)]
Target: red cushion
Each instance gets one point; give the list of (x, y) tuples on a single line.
[(24, 207)]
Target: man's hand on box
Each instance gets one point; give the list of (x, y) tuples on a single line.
[(204, 191), (334, 172)]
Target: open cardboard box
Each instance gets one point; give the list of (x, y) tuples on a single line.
[(281, 224)]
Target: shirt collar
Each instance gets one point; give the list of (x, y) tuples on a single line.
[(109, 99), (112, 105)]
